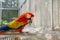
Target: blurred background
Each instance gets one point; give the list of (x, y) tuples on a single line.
[(47, 14)]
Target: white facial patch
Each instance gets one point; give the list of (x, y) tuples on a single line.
[(28, 16)]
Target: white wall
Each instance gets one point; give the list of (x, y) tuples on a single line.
[(25, 6), (56, 15), (43, 13)]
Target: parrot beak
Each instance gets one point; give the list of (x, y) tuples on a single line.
[(30, 21)]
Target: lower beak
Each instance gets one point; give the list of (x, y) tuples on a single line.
[(30, 22)]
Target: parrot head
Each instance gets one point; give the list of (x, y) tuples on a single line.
[(29, 16)]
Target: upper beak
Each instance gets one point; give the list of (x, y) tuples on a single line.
[(30, 21)]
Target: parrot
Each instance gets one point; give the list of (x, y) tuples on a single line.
[(19, 23)]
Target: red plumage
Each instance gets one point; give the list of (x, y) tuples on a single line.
[(23, 18)]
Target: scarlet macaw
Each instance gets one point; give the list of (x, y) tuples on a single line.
[(19, 23)]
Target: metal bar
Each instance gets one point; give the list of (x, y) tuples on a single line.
[(9, 8)]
